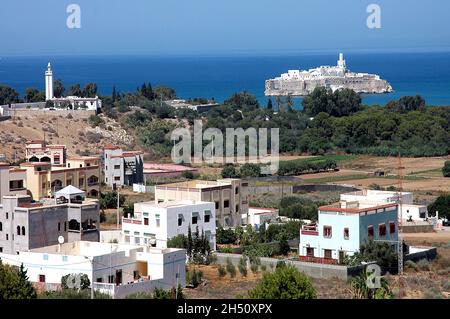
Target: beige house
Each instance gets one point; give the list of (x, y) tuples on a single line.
[(39, 151), (13, 180), (43, 179), (229, 195)]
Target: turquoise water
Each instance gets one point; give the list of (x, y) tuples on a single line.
[(427, 74)]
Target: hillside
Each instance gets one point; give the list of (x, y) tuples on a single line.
[(70, 128)]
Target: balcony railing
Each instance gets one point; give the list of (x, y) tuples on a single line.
[(318, 260), (132, 221)]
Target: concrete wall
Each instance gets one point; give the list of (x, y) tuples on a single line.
[(418, 253), (57, 112), (313, 270)]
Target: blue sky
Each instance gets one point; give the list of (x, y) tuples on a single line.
[(177, 27)]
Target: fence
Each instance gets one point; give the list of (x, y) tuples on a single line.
[(314, 270), (141, 188), (122, 291)]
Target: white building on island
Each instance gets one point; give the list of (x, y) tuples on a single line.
[(92, 104)]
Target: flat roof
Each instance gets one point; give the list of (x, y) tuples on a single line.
[(171, 204), (199, 184), (337, 207)]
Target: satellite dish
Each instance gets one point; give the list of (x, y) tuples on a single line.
[(61, 240)]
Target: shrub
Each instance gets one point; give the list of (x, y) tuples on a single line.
[(221, 271), (432, 293), (285, 283), (194, 277), (446, 285), (231, 269), (254, 268), (243, 266), (446, 169), (409, 264), (263, 268), (424, 264)]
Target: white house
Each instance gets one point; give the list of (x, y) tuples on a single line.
[(153, 224), (343, 227), (409, 211), (118, 270), (259, 216)]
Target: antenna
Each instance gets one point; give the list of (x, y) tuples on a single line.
[(400, 213)]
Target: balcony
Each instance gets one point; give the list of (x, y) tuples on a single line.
[(318, 260), (310, 230), (131, 221)]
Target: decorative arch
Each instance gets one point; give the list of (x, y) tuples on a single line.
[(23, 230), (45, 159), (18, 230), (33, 159)]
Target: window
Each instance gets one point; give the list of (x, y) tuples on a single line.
[(382, 230), (137, 240), (346, 233), (7, 237), (45, 256), (207, 218), (160, 201), (64, 258), (180, 221), (236, 190), (65, 226), (116, 166), (194, 220), (158, 220), (18, 230), (117, 178), (111, 279), (1, 226), (7, 215), (309, 252), (59, 226), (1, 249), (81, 165), (41, 278), (217, 205), (237, 208), (327, 231), (145, 221), (68, 165), (100, 279), (327, 253), (226, 203), (23, 230), (136, 274), (370, 231), (391, 227)]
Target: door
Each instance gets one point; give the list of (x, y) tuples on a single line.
[(118, 277), (341, 256)]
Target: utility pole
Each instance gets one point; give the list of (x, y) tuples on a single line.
[(118, 207), (400, 213)]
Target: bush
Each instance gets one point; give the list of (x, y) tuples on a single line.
[(446, 169), (75, 281), (254, 268), (432, 293), (231, 269), (95, 120), (285, 283), (409, 264), (250, 170), (263, 268), (424, 264), (229, 171), (194, 278), (225, 236), (221, 271), (243, 266)]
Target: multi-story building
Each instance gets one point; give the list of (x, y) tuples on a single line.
[(115, 269), (43, 179), (26, 225), (153, 224), (122, 167), (229, 196), (342, 228), (13, 180), (409, 211), (39, 151)]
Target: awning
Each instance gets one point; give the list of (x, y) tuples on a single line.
[(195, 214)]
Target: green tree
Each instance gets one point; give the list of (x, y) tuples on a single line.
[(58, 88), (229, 171), (33, 95), (283, 246), (250, 170), (339, 103), (8, 95), (284, 283), (90, 90), (165, 93), (269, 104), (407, 104), (243, 100), (75, 90), (14, 283), (446, 169), (441, 205)]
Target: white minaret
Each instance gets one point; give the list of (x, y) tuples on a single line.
[(49, 83), (341, 61)]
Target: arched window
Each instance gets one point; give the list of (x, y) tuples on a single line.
[(18, 230), (23, 230)]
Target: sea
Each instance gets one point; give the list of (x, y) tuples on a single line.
[(425, 74)]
